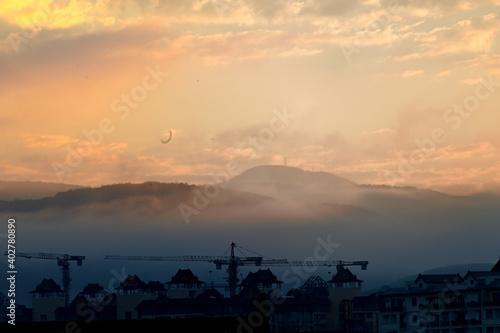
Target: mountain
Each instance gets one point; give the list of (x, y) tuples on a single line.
[(13, 190), (280, 211), (295, 186), (289, 177), (298, 187)]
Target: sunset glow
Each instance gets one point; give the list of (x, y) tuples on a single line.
[(380, 92)]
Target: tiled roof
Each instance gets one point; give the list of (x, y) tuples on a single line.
[(92, 289), (47, 286), (132, 282), (479, 274), (343, 276), (263, 276), (439, 278), (155, 286), (184, 276)]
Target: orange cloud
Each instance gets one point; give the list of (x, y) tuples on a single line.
[(474, 35), (47, 141), (229, 47), (379, 131), (415, 73)]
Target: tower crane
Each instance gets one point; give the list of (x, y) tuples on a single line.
[(232, 262), (63, 260)]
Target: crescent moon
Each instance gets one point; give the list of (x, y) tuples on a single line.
[(169, 138)]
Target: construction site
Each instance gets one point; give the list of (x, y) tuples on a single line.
[(256, 302)]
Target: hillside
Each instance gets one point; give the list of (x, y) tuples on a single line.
[(400, 231)]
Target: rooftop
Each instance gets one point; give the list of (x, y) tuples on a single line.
[(263, 276), (439, 278), (132, 282), (92, 289), (496, 268), (184, 276), (344, 276), (47, 286)]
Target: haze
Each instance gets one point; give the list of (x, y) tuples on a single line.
[(352, 101)]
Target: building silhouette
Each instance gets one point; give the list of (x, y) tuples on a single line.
[(444, 303), (47, 297)]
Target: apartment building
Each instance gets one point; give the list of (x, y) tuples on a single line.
[(444, 303)]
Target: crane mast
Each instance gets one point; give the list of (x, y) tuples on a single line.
[(63, 260)]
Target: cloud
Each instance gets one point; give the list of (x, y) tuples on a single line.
[(467, 151), (379, 131), (430, 8), (328, 8), (488, 62), (471, 82), (228, 47), (414, 73), (443, 73), (474, 35), (9, 169), (55, 14), (47, 141)]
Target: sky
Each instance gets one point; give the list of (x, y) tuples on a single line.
[(401, 93)]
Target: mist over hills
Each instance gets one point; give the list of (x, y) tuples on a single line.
[(276, 210)]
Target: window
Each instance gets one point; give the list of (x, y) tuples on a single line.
[(414, 301)]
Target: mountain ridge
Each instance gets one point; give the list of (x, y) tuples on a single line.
[(278, 174)]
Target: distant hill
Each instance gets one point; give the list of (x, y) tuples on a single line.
[(84, 196), (145, 199), (156, 198), (287, 191), (295, 186), (400, 231), (13, 190), (283, 175)]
